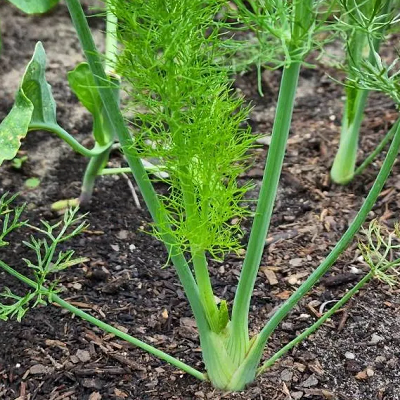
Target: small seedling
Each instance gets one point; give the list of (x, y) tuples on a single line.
[(18, 162), (32, 183)]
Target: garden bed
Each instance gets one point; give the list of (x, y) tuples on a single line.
[(50, 355)]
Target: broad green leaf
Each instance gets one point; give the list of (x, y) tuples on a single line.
[(15, 127), (34, 104), (84, 86), (37, 90), (34, 6)]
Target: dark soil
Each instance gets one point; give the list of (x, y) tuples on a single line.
[(52, 356)]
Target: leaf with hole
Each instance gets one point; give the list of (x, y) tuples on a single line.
[(34, 105)]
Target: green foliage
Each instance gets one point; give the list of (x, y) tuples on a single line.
[(380, 251), (83, 85), (47, 259), (10, 217), (34, 104), (187, 116), (378, 76), (34, 6), (285, 31), (18, 162)]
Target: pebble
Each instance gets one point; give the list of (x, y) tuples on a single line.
[(297, 395), (349, 355), (286, 375), (83, 355), (380, 359), (310, 381), (375, 339)]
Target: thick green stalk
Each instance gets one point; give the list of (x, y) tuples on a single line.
[(111, 42), (205, 288), (70, 140), (133, 159), (343, 167), (343, 243), (264, 210), (271, 361), (97, 163), (106, 327), (199, 260)]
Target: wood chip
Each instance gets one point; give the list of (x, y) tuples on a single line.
[(270, 275)]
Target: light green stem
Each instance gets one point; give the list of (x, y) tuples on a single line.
[(271, 361), (264, 210), (205, 288), (341, 246), (199, 260), (343, 167), (95, 165), (388, 137), (111, 42), (134, 162), (106, 327), (70, 140), (115, 171)]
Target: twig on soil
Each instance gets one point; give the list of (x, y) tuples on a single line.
[(132, 188)]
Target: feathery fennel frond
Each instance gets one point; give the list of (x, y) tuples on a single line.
[(187, 116), (381, 252)]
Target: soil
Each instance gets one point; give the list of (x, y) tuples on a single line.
[(51, 355)]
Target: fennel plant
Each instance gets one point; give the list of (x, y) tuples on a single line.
[(187, 115), (364, 24)]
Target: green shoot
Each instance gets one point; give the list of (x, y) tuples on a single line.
[(365, 24)]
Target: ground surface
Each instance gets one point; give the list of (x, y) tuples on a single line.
[(50, 355)]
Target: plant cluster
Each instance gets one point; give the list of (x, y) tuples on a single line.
[(183, 112)]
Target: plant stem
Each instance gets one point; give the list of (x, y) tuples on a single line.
[(271, 361), (95, 165), (205, 288), (106, 327), (198, 255), (111, 42), (388, 137), (70, 140), (265, 206), (133, 159), (343, 166), (115, 171), (343, 243)]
